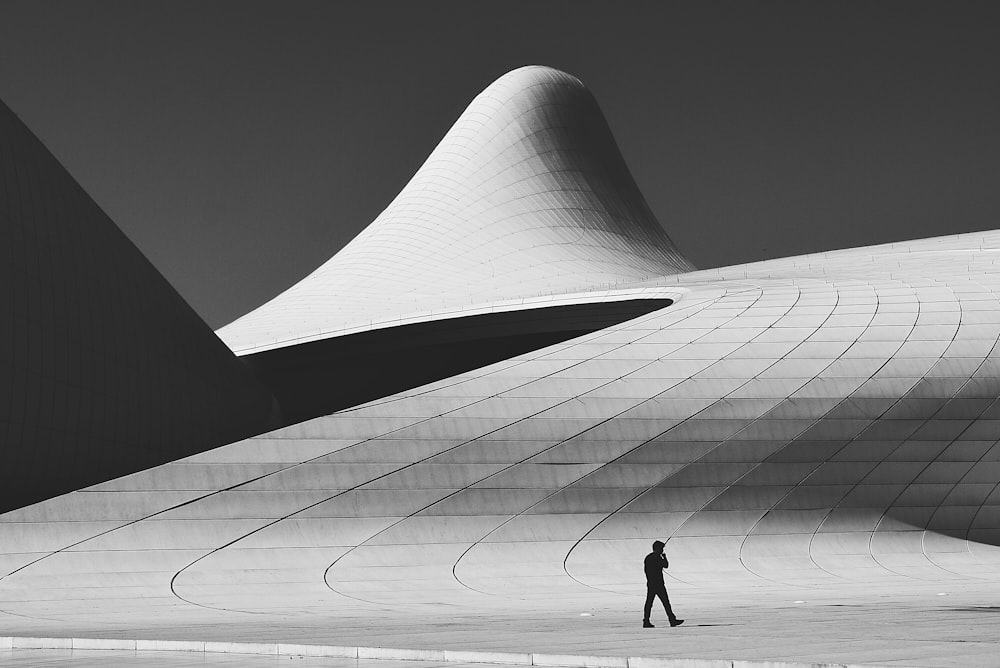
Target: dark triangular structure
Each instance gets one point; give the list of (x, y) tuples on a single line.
[(104, 369)]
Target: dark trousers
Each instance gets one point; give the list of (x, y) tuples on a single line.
[(652, 591)]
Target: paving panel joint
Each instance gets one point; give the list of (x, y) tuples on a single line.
[(401, 654)]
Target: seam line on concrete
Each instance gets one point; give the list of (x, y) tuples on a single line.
[(391, 653)]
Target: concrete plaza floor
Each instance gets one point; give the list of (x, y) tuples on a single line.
[(46, 658), (949, 628)]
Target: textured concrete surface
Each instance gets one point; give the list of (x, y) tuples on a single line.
[(43, 658), (920, 629)]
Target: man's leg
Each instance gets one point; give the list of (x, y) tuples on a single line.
[(648, 608), (662, 593)]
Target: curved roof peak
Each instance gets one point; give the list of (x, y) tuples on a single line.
[(526, 195), (532, 74)]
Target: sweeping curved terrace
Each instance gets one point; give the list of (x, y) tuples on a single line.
[(824, 424), (526, 202)]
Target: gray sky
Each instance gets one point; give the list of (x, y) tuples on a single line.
[(240, 144)]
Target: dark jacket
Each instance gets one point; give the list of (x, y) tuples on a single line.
[(653, 565)]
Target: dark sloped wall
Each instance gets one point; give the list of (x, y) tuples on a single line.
[(104, 369)]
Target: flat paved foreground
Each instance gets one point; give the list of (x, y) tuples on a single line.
[(89, 658), (951, 627)]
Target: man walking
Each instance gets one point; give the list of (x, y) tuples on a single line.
[(654, 564)]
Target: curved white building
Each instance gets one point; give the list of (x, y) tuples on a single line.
[(817, 430)]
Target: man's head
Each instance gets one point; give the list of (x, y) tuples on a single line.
[(658, 546)]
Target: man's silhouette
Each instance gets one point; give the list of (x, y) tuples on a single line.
[(654, 564)]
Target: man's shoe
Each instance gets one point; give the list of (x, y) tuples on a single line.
[(677, 622), (647, 625)]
